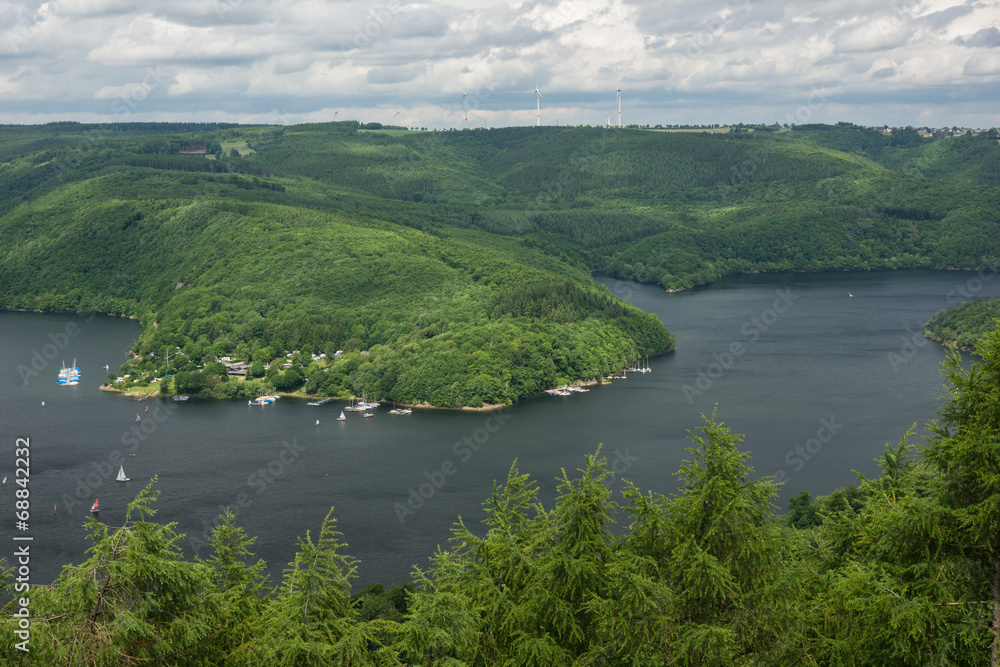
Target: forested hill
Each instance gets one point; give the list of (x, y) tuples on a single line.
[(963, 324), (459, 261)]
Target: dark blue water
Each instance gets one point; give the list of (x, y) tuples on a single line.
[(817, 380)]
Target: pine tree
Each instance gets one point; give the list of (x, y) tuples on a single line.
[(310, 621), (966, 448), (240, 587), (734, 590), (133, 601)]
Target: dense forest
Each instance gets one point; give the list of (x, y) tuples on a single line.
[(962, 324), (903, 569), (450, 268)]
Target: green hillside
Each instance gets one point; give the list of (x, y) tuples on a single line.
[(963, 324), (458, 261), (236, 257)]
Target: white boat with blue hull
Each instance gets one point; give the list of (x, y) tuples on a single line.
[(68, 376)]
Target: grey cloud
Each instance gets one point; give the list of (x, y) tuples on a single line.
[(943, 18), (382, 75), (986, 37), (419, 24)]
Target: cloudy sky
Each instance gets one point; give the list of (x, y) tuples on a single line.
[(925, 62)]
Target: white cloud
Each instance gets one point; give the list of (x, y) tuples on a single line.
[(983, 65), (715, 61)]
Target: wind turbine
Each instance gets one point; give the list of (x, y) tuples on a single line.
[(335, 115), (619, 106), (465, 103), (538, 107)]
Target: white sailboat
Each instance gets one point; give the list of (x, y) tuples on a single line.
[(121, 475), (341, 418)]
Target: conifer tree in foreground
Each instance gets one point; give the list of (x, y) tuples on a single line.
[(966, 449), (135, 599)]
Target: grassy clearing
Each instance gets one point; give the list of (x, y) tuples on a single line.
[(392, 133), (713, 130), (240, 146)]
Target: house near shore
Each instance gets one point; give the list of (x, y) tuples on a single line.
[(238, 368)]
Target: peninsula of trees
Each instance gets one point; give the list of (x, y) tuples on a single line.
[(451, 268), (962, 324)]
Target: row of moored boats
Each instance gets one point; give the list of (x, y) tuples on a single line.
[(68, 376), (566, 391)]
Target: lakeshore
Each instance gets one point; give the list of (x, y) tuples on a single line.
[(146, 392)]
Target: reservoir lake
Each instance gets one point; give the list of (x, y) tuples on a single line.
[(817, 370)]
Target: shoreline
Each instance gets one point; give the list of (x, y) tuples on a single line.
[(68, 312), (675, 290), (423, 405)]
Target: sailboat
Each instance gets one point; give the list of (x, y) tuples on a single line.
[(121, 475), (136, 420), (317, 422), (4, 481), (54, 508), (94, 509), (341, 418)]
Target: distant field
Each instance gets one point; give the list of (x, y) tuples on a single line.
[(713, 130), (240, 146), (391, 133)]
